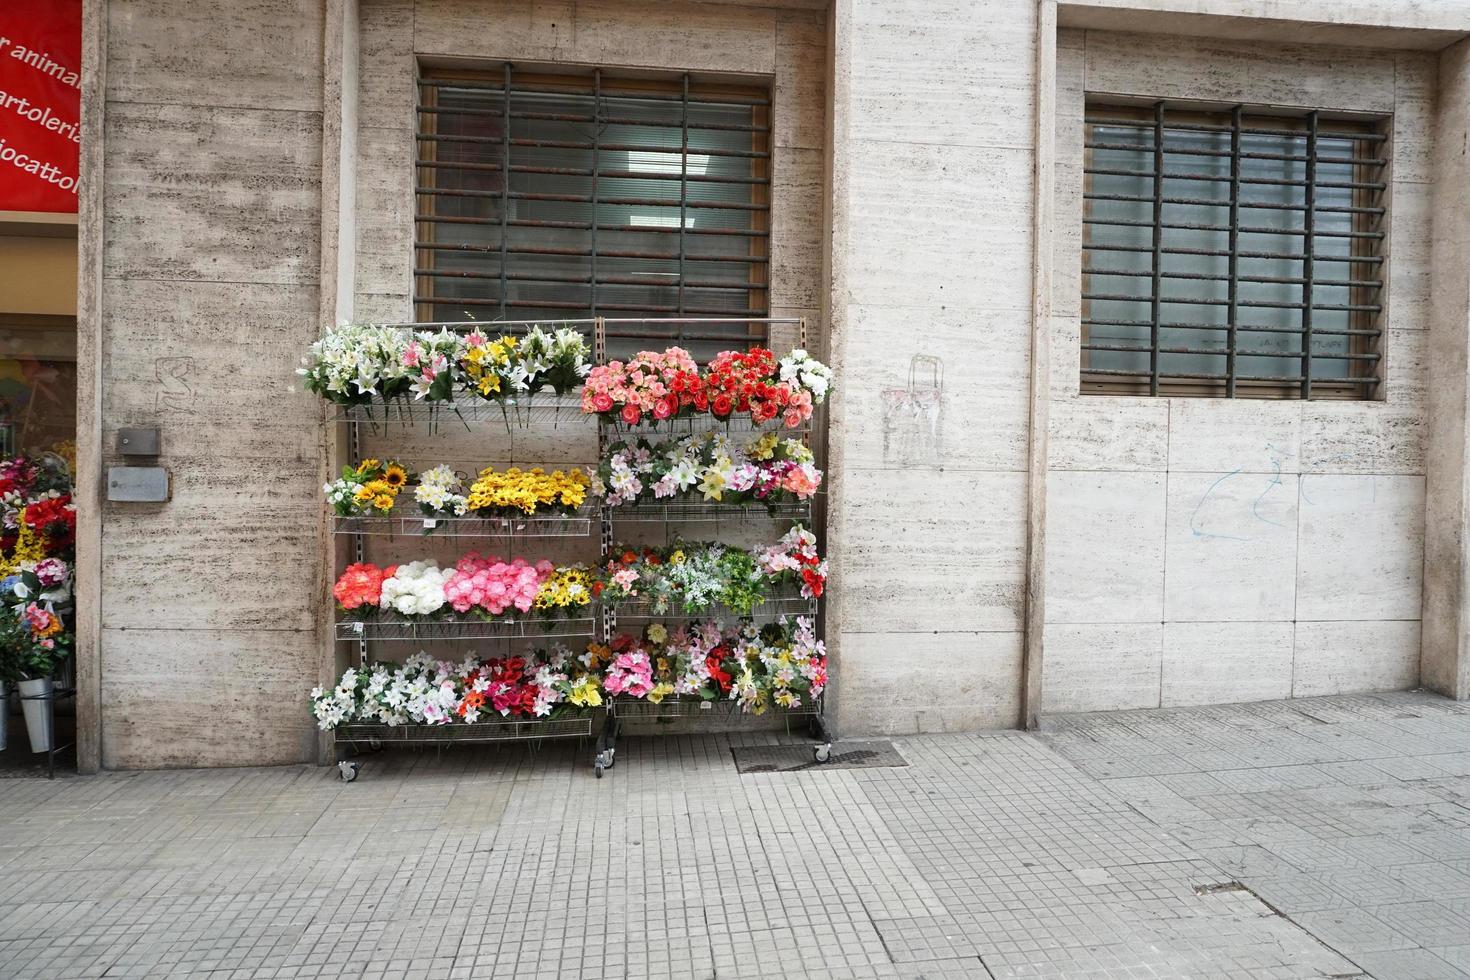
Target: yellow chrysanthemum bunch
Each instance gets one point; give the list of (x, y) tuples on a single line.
[(565, 589), (29, 549), (527, 491)]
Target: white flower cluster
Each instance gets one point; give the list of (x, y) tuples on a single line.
[(416, 588), (559, 359), (355, 359), (440, 491), (339, 704), (800, 368), (425, 691)]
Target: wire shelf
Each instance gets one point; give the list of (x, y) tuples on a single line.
[(772, 609), (418, 526), (542, 409), (656, 512), (407, 630), (704, 422), (500, 730), (637, 709)]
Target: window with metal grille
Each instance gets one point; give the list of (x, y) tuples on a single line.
[(1232, 251), (553, 196)]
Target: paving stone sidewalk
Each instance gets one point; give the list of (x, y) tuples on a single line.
[(1319, 838)]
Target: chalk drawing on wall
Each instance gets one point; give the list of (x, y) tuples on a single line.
[(175, 392), (913, 417)]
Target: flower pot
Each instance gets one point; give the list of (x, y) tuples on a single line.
[(37, 710), (4, 714)]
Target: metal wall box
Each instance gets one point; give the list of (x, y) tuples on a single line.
[(138, 484), (138, 442)]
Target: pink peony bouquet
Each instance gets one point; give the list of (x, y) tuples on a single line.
[(494, 585)]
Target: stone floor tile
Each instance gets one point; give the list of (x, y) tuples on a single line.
[(1315, 838)]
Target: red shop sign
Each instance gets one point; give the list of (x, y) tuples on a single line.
[(40, 104)]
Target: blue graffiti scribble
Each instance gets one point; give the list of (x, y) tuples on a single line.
[(1194, 517), (1275, 482)]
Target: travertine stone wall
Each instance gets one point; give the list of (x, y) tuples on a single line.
[(931, 251), (1208, 550), (1446, 659), (209, 293)]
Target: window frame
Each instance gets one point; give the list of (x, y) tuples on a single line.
[(1368, 239), (599, 83)]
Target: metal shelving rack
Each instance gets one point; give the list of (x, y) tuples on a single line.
[(561, 412), (540, 410), (678, 512)]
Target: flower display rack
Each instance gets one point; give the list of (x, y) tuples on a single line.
[(708, 515), (556, 417)]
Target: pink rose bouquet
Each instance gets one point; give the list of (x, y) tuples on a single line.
[(650, 386)]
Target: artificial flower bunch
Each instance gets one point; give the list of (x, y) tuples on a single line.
[(629, 671), (795, 559), (37, 554), (485, 587), (780, 664), (752, 382), (360, 587), (708, 465), (355, 364), (654, 386), (687, 578), (429, 359), (441, 493), (371, 485), (509, 365), (517, 492), (490, 586), (650, 386), (566, 591), (426, 691), (415, 589)]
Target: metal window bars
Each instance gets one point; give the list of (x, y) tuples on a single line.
[(584, 193), (1257, 238)]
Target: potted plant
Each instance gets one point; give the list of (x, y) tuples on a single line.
[(34, 634), (37, 548), (37, 605)]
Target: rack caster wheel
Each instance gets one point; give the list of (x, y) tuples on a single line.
[(822, 752), (597, 768), (348, 771)]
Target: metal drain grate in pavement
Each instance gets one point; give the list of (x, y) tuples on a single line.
[(797, 758)]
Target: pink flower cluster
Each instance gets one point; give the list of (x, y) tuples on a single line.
[(629, 673), (655, 383), (768, 476), (495, 585)]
